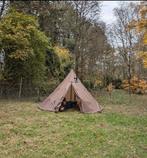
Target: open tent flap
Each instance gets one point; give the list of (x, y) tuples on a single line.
[(88, 103), (70, 95)]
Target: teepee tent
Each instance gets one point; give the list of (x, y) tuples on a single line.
[(72, 89)]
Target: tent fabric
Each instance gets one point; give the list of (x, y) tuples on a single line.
[(72, 89)]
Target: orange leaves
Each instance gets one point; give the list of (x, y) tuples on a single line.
[(143, 11), (145, 39), (141, 26), (110, 88), (136, 85)]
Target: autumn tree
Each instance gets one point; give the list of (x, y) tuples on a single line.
[(73, 25), (125, 41), (66, 23), (65, 58), (141, 26), (24, 47)]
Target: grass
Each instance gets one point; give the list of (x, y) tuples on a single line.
[(120, 131)]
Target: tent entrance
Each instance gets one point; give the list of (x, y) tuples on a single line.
[(71, 99), (70, 95)]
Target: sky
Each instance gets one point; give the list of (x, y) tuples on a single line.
[(107, 10)]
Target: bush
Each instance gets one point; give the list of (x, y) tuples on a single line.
[(48, 87), (137, 86), (88, 84), (117, 83)]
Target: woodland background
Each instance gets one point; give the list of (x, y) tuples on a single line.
[(40, 41)]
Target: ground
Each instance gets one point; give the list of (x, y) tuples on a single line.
[(120, 131)]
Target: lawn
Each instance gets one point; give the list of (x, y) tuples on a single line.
[(120, 131)]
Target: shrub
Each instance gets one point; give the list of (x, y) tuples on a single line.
[(117, 83), (48, 87), (138, 86), (88, 84)]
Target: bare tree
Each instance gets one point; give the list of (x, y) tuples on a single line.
[(125, 40), (86, 11)]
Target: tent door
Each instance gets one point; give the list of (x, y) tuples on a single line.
[(71, 95)]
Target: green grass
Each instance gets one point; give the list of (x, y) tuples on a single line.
[(120, 131)]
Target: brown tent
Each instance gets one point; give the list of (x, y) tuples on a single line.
[(72, 89)]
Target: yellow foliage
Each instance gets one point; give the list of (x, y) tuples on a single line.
[(136, 85), (62, 53), (20, 37), (143, 55), (97, 83), (141, 26), (110, 88), (145, 39)]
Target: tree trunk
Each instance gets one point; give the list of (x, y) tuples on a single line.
[(77, 56), (129, 74), (38, 94), (20, 88), (2, 8)]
